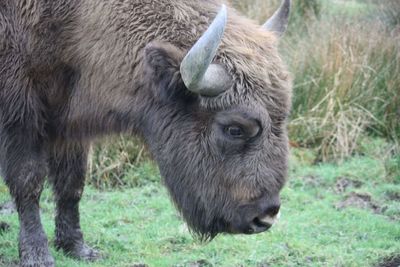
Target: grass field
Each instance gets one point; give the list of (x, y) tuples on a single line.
[(332, 215), (345, 60)]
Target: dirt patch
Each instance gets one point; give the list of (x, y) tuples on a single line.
[(394, 196), (361, 201), (313, 181), (343, 183), (392, 261), (4, 227), (198, 263), (7, 208)]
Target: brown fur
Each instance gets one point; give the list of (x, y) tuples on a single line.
[(71, 71)]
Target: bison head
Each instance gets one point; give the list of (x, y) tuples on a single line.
[(217, 127)]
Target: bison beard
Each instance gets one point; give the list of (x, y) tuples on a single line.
[(209, 97)]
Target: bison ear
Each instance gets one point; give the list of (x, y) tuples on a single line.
[(162, 63)]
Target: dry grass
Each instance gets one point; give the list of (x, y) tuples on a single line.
[(258, 10), (111, 160), (345, 57), (390, 12), (346, 83), (261, 10)]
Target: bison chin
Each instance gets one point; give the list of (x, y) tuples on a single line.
[(204, 217), (208, 215)]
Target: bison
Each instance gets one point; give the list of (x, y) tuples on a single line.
[(204, 87)]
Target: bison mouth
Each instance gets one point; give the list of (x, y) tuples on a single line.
[(205, 232), (255, 226), (261, 224), (256, 217)]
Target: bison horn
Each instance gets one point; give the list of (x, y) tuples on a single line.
[(198, 73), (279, 21)]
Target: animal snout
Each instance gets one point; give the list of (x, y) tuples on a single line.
[(266, 219), (269, 207), (268, 214), (258, 216)]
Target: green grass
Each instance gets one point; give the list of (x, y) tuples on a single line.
[(140, 225)]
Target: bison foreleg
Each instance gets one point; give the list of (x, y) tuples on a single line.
[(67, 164), (24, 168)]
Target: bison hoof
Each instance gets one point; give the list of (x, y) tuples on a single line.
[(83, 252), (37, 260)]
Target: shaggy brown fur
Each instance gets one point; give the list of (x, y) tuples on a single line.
[(74, 70)]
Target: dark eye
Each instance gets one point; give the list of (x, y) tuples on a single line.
[(234, 131)]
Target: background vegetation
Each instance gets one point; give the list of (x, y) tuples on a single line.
[(341, 206), (345, 61), (345, 57)]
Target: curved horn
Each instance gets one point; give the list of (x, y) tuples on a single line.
[(279, 21), (198, 74)]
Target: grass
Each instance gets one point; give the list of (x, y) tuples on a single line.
[(140, 225), (116, 163), (345, 58), (348, 8), (345, 86)]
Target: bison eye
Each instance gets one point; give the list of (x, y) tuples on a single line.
[(234, 131)]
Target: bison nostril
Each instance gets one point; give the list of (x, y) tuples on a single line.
[(257, 221), (258, 226), (272, 210)]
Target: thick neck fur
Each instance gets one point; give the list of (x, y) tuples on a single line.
[(105, 49)]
